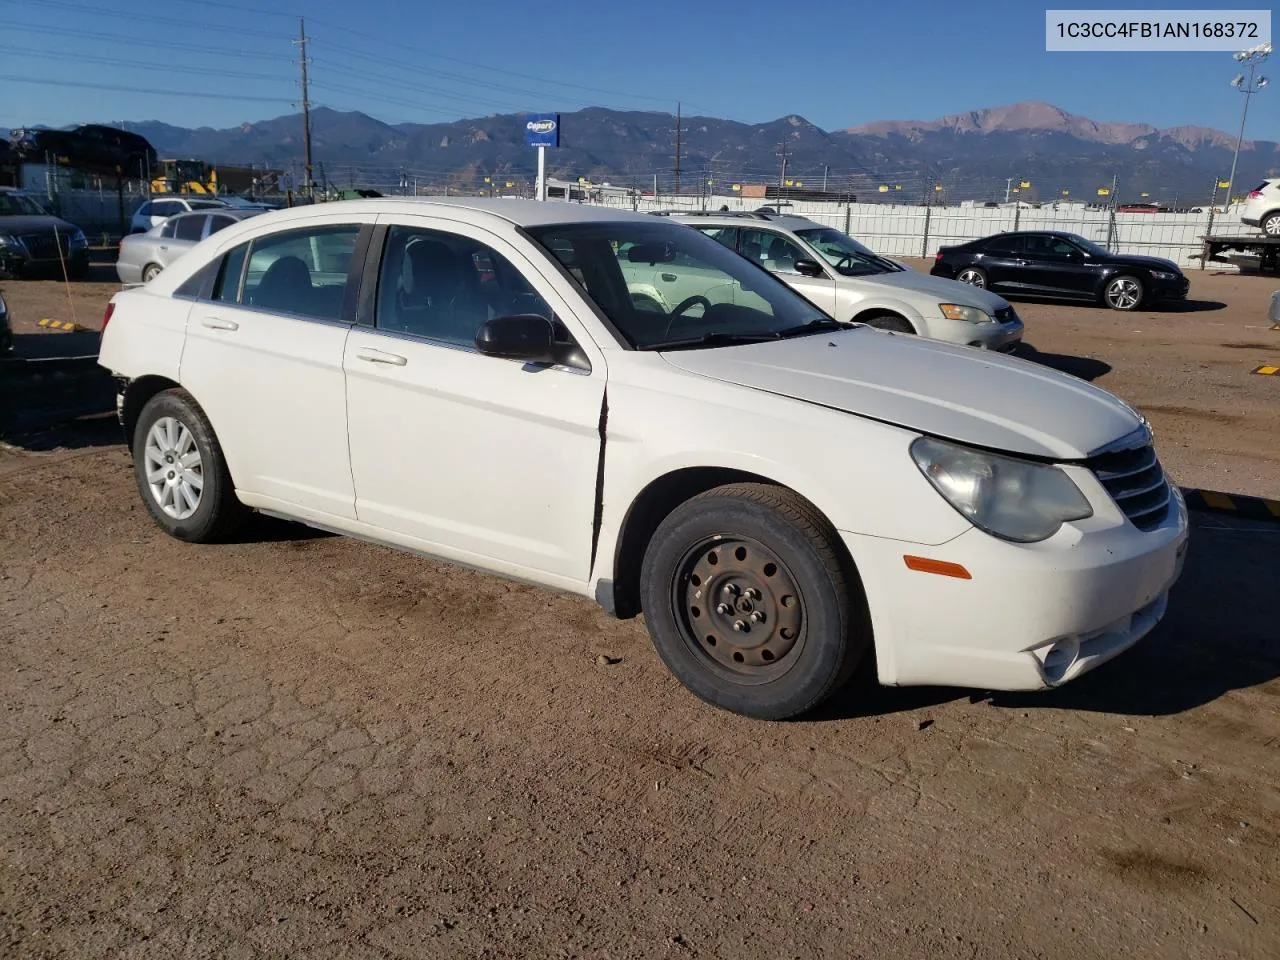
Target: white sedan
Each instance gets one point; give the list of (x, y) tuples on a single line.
[(780, 494)]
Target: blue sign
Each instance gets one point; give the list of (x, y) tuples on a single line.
[(542, 130)]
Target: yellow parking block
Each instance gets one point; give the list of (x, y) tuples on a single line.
[(66, 325), (1267, 370), (1219, 501)]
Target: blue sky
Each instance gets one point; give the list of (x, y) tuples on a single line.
[(202, 62)]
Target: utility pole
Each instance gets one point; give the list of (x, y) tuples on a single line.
[(825, 168), (1008, 184), (306, 103), (782, 152), (678, 126)]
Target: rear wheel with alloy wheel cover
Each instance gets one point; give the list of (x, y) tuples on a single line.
[(751, 604), (973, 276), (180, 470), (1123, 293), (1271, 224)]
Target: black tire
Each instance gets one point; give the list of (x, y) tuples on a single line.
[(827, 610), (889, 321), (1270, 224), (218, 513), (1127, 301), (78, 270), (150, 272)]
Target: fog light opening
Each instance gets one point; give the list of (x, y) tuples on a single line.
[(1058, 657)]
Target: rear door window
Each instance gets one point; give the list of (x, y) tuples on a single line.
[(189, 228), (301, 272)]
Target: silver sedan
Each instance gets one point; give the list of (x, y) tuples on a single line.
[(143, 255)]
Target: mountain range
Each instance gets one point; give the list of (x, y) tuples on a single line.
[(973, 155)]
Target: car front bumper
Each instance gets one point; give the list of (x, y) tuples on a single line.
[(1176, 289), (18, 261), (1032, 616), (991, 335)]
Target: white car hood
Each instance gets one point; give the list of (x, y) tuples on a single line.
[(947, 291), (957, 393)]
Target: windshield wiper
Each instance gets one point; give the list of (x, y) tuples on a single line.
[(715, 339), (813, 326)]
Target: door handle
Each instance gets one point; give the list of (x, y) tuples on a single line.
[(217, 323), (381, 356), (669, 277)]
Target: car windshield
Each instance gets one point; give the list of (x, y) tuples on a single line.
[(846, 254), (1088, 246), (16, 205), (665, 286)]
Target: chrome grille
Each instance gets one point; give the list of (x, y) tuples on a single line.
[(1137, 483)]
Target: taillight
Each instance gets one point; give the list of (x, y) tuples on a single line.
[(106, 316), (938, 255), (1254, 194)]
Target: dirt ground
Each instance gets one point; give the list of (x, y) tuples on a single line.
[(299, 745)]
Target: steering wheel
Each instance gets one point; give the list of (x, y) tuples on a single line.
[(843, 260), (684, 305)]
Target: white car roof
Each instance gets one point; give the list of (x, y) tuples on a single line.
[(522, 213)]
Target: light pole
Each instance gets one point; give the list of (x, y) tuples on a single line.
[(1248, 86)]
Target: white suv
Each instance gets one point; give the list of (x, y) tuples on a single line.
[(850, 282), (1262, 207), (780, 493)]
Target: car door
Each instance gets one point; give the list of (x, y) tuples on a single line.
[(474, 456), (1003, 263), (778, 254), (1057, 266), (263, 356)]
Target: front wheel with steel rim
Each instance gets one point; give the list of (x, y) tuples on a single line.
[(972, 276), (1123, 293), (180, 470), (751, 603)]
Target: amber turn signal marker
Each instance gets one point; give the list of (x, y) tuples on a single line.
[(940, 567)]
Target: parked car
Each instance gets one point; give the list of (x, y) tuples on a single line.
[(780, 493), (1262, 207), (34, 241), (848, 281), (6, 328), (142, 256), (1061, 265), (152, 213)]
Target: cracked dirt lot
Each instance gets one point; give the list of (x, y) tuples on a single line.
[(304, 746)]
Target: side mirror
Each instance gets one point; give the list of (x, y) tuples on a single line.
[(526, 336), (809, 268)]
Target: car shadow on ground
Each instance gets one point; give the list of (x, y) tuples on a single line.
[(1219, 635), (1163, 306), (1086, 368)]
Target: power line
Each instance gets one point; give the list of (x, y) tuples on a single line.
[(151, 92), (96, 10), (112, 62), (130, 40)]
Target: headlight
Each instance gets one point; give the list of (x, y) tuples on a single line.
[(1012, 499), (1163, 275), (954, 311), (7, 241)]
